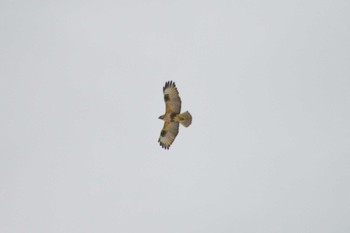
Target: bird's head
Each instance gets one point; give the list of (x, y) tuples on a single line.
[(161, 117)]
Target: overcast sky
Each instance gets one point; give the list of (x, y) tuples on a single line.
[(267, 84)]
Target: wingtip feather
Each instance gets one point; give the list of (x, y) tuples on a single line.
[(169, 84)]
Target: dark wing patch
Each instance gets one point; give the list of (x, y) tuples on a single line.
[(163, 133), (166, 97), (171, 98), (168, 134)]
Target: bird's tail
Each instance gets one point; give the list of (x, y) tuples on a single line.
[(185, 119)]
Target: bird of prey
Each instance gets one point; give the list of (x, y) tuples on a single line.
[(172, 116)]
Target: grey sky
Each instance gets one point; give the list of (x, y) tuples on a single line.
[(267, 84)]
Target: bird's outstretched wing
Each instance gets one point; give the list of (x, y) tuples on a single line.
[(171, 98), (168, 134)]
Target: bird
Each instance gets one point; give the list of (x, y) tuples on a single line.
[(172, 117)]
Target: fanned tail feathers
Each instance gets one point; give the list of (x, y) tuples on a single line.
[(185, 119)]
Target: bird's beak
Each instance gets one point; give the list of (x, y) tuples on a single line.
[(160, 117)]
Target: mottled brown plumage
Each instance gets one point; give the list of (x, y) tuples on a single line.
[(172, 116)]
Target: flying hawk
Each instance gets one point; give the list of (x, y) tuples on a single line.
[(172, 116)]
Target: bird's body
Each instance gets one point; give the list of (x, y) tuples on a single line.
[(172, 116), (168, 117)]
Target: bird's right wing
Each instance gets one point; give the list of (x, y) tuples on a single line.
[(171, 98)]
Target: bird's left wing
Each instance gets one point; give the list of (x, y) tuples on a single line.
[(168, 134)]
